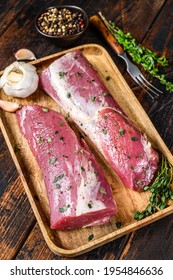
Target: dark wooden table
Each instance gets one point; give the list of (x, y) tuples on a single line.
[(150, 22)]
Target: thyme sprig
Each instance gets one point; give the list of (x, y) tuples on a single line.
[(161, 191), (146, 58)]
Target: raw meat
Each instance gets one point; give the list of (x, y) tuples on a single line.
[(126, 149), (79, 194), (75, 85)]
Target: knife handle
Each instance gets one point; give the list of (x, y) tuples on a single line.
[(98, 23)]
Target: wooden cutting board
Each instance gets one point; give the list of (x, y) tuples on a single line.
[(74, 242)]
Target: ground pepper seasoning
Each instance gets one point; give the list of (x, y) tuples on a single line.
[(61, 22)]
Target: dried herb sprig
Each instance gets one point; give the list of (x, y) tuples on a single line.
[(149, 60), (161, 191)]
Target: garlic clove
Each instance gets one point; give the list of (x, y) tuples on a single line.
[(24, 54), (9, 106)]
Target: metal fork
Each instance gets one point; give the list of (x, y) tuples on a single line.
[(139, 78), (132, 69)]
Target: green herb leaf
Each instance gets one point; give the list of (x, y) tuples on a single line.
[(67, 116), (93, 98), (161, 190), (89, 205), (58, 177), (58, 186), (40, 140), (134, 138), (68, 94), (45, 110), (63, 209), (104, 93), (118, 224), (62, 74), (104, 131), (82, 168), (102, 191), (121, 131), (90, 237), (52, 160)]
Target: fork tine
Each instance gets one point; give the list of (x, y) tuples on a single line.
[(139, 83), (158, 90), (145, 85)]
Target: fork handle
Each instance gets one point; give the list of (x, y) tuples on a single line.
[(98, 23)]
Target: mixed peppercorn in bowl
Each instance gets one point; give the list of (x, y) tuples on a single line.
[(63, 23)]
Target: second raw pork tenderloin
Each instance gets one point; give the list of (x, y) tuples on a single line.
[(76, 86)]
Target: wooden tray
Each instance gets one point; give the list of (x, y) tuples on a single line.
[(74, 242)]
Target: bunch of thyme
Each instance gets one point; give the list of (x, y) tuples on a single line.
[(140, 55), (161, 191)]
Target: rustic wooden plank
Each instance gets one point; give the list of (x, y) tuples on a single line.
[(135, 13), (16, 219), (153, 242), (35, 248), (110, 251), (159, 37), (9, 11), (8, 171), (21, 33), (164, 124)]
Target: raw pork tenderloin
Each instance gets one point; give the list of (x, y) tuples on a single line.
[(79, 194), (76, 86)]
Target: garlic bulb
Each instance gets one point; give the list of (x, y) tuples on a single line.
[(19, 79)]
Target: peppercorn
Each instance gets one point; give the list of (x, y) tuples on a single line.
[(61, 22)]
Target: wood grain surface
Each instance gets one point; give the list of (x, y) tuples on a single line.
[(150, 22)]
